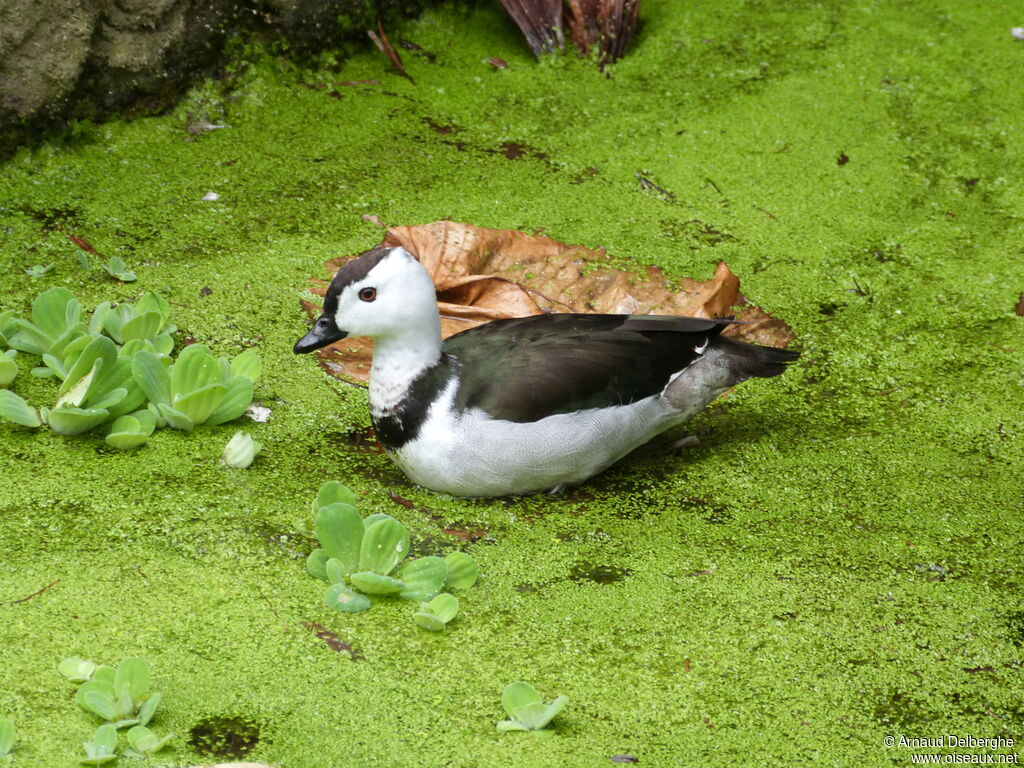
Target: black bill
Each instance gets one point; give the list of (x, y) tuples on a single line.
[(324, 331)]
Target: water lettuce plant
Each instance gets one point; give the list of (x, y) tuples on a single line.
[(8, 368), (240, 451), (526, 709), (433, 616), (102, 748), (363, 557), (117, 369), (6, 737), (76, 670), (142, 742), (120, 696), (116, 268)]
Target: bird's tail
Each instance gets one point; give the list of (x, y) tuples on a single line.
[(747, 361)]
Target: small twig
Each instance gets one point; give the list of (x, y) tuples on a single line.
[(381, 41), (769, 213), (34, 594), (712, 183), (648, 184)]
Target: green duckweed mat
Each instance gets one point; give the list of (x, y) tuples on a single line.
[(838, 562)]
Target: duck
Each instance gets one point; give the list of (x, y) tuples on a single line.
[(528, 404)]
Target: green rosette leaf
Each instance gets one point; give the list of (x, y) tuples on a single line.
[(433, 616), (195, 368), (444, 606), (164, 343), (97, 696), (6, 736), (423, 578), (341, 598), (199, 404), (340, 531), (52, 310), (8, 368), (374, 584), (527, 709), (175, 419), (75, 421), (115, 267), (102, 747), (133, 672), (14, 408), (428, 621), (146, 419), (376, 517), (152, 377), (148, 708), (153, 302), (247, 365), (144, 741), (107, 401), (335, 571), (316, 564), (76, 670), (99, 349), (333, 492), (29, 338), (385, 544), (462, 570), (144, 326), (237, 396), (126, 433)]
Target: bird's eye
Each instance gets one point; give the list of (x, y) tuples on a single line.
[(368, 294)]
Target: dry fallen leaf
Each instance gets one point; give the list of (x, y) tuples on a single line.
[(489, 274)]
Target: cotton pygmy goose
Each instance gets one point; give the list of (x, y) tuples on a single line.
[(527, 404)]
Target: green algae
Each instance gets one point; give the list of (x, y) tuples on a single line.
[(839, 559)]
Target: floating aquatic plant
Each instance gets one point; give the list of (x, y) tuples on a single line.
[(116, 268), (76, 670), (6, 737), (361, 557), (120, 696), (526, 709), (142, 742), (197, 388), (117, 369), (8, 368), (38, 270), (436, 614), (102, 748), (240, 451)]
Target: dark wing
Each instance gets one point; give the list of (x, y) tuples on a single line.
[(527, 368)]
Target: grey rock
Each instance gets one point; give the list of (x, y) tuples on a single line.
[(67, 59)]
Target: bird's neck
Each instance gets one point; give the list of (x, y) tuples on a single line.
[(398, 359)]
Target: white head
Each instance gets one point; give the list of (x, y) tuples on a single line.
[(384, 293)]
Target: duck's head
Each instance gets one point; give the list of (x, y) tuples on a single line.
[(382, 292)]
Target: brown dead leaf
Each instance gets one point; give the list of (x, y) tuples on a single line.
[(1019, 308), (489, 274), (84, 244)]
